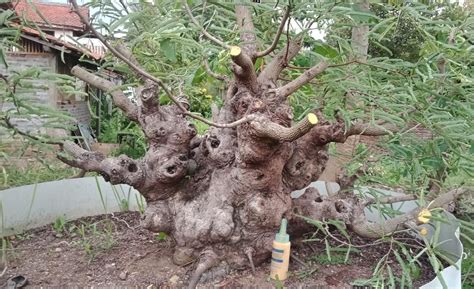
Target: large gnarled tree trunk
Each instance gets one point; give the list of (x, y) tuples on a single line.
[(221, 196)]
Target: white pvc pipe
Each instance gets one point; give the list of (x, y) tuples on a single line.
[(37, 205)]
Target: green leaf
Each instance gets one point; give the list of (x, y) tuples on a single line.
[(391, 278), (168, 48), (325, 50), (2, 58), (316, 223), (5, 15), (341, 227), (405, 271), (328, 249)]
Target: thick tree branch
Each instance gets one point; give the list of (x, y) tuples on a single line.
[(120, 170), (277, 36), (364, 228), (247, 30), (203, 31), (280, 61), (301, 80), (246, 74), (327, 132), (119, 98), (81, 158), (268, 129)]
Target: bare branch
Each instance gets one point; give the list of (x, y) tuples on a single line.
[(277, 36), (391, 199), (247, 30), (269, 129), (236, 123), (301, 80), (127, 53), (371, 130), (118, 96), (203, 31), (364, 228), (246, 74), (212, 73), (280, 61)]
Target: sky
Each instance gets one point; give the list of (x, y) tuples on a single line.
[(317, 34)]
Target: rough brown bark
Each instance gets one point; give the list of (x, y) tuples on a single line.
[(222, 195)]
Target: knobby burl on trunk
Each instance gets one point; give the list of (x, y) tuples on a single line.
[(222, 195)]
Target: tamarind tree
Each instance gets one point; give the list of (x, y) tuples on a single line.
[(280, 99)]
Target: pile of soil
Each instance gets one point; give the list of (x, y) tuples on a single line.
[(113, 250)]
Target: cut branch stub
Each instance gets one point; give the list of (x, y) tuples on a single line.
[(268, 129), (246, 74)]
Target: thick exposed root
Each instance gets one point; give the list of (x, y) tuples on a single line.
[(208, 260)]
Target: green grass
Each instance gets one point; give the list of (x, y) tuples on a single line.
[(336, 259), (200, 127), (34, 173), (467, 268), (94, 238)]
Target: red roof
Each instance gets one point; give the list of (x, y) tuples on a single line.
[(56, 15)]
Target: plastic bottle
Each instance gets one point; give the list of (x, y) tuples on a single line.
[(280, 254)]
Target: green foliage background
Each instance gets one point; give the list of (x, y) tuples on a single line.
[(402, 82)]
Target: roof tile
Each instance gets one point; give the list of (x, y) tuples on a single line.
[(56, 15)]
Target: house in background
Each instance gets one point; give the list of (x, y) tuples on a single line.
[(53, 48)]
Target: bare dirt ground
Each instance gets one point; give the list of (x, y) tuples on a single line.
[(114, 251)]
